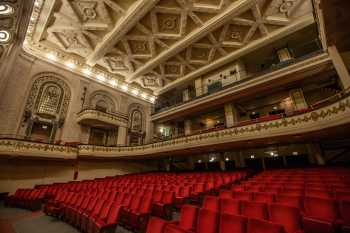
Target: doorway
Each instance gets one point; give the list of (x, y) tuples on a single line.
[(41, 132)]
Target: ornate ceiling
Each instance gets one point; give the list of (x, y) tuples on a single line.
[(158, 44)]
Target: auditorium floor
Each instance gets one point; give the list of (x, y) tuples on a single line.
[(13, 220)]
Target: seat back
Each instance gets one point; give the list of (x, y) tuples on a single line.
[(157, 196), (146, 205), (241, 195), (136, 202), (262, 226), (230, 206), (207, 221), (289, 217), (211, 203), (167, 197), (319, 208), (254, 209), (263, 197), (156, 225), (188, 217), (232, 223), (344, 210), (290, 200), (225, 194)]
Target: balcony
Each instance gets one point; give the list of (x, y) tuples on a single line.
[(332, 114), (29, 149), (96, 118), (290, 71)]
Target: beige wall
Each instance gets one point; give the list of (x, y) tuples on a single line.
[(16, 86), (20, 173)]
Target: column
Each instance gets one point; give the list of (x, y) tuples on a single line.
[(198, 86), (121, 141), (188, 127), (242, 159), (315, 153), (297, 96), (339, 66), (185, 95), (231, 115)]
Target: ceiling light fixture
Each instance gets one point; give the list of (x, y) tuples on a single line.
[(113, 82), (125, 87), (87, 71), (70, 65), (51, 56), (101, 77)]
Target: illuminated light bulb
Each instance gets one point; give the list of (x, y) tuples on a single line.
[(227, 159), (152, 99), (101, 77), (135, 92), (51, 56), (144, 95), (113, 82), (87, 71), (125, 87), (70, 65), (252, 156)]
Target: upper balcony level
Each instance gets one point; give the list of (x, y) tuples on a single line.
[(326, 118), (98, 118), (307, 59)]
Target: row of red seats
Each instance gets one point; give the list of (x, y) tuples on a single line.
[(27, 198), (333, 215), (194, 220)]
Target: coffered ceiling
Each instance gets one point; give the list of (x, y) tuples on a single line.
[(157, 44)]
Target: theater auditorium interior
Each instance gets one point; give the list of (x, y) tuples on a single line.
[(174, 116)]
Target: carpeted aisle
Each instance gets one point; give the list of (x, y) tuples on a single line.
[(14, 220)]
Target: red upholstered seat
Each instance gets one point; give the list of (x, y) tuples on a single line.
[(289, 217), (246, 196), (230, 206), (290, 200), (344, 210), (232, 223), (254, 210), (320, 215), (188, 217), (225, 194), (262, 226), (263, 197), (211, 203), (207, 221), (156, 225)]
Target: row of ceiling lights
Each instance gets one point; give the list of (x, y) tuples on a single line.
[(272, 154), (90, 72)]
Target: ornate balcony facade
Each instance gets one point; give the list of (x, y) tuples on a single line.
[(20, 148), (93, 117), (333, 115), (328, 115)]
